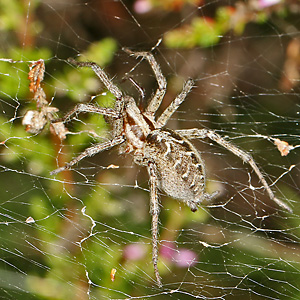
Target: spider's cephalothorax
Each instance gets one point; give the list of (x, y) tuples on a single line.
[(173, 163)]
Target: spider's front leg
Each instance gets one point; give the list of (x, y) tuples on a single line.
[(170, 110), (156, 100), (90, 152), (119, 103), (246, 157), (89, 108), (154, 210), (101, 74)]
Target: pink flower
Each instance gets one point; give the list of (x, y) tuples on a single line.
[(167, 250), (267, 3), (185, 258), (142, 6), (182, 257), (134, 251)]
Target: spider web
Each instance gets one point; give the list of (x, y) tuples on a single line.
[(85, 233)]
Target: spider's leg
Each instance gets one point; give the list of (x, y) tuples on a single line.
[(156, 100), (119, 103), (90, 152), (246, 157), (154, 210), (101, 74), (89, 108), (168, 112)]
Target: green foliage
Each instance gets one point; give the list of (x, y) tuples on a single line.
[(101, 52), (60, 255), (13, 13), (201, 32), (206, 31), (36, 154), (14, 77), (171, 4), (79, 84)]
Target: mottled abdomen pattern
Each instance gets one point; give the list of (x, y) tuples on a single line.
[(178, 166)]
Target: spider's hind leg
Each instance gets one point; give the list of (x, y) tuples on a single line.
[(154, 210), (196, 133)]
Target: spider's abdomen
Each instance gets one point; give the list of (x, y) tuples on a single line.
[(179, 167)]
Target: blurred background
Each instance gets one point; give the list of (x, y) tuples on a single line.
[(85, 233)]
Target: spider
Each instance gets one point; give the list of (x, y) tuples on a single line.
[(174, 165)]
